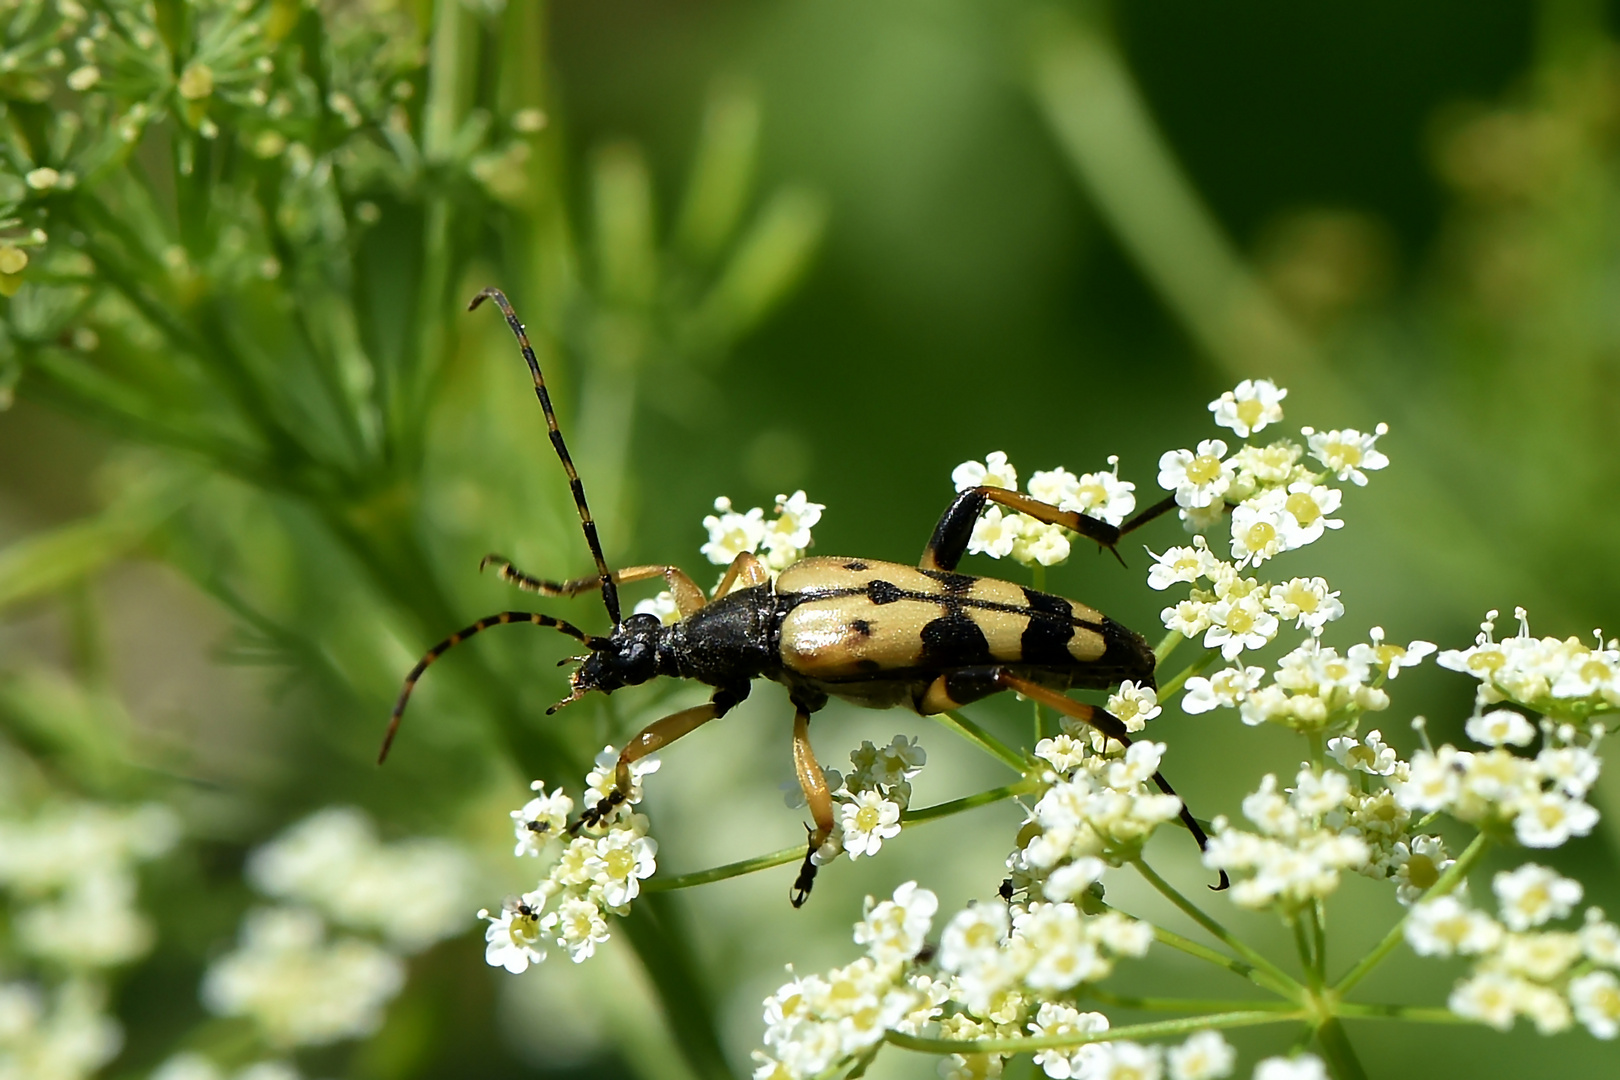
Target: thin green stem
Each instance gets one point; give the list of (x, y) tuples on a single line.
[(1448, 881), (1285, 985), (1170, 689), (1154, 1029), (1307, 958), (1417, 1014), (985, 741), (1166, 646), (1318, 912), (1204, 1005), (795, 853)]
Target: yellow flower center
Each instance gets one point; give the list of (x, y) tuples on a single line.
[(1303, 507), (1387, 654), (1204, 469), (1259, 536), (620, 862), (1250, 411), (867, 818), (1421, 871), (1239, 621), (1092, 494), (1342, 453)]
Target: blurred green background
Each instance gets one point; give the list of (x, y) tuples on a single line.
[(767, 245)]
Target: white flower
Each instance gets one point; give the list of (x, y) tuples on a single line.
[(1307, 507), (541, 820), (578, 926), (1307, 601), (301, 990), (1223, 689), (1596, 998), (973, 937), (1040, 544), (1387, 657), (1239, 623), (895, 930), (868, 820), (1055, 1019), (1072, 879), (996, 471), (621, 860), (513, 937), (1600, 939), (1103, 495), (1446, 926), (1182, 564), (1501, 727), (1549, 819), (1491, 997), (1346, 453), (1134, 706), (1249, 407), (1205, 1055), (1198, 479), (663, 605), (1371, 757), (1532, 894), (796, 516), (1301, 1067), (995, 533), (1057, 487), (1123, 1061), (1189, 618), (1259, 530), (1417, 866), (731, 533)]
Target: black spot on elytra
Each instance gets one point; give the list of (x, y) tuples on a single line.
[(856, 565), (953, 583), (1051, 627), (867, 666), (952, 641), (861, 627), (883, 592)]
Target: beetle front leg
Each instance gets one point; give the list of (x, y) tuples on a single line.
[(950, 540), (816, 796), (655, 736)]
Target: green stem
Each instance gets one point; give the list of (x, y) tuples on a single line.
[(1448, 881), (1170, 689), (1341, 1056), (1204, 952), (1187, 1025), (1307, 958), (1284, 985), (1417, 1014), (796, 852), (1204, 1005), (1166, 646), (985, 741)]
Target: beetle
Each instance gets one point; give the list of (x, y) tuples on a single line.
[(878, 634)]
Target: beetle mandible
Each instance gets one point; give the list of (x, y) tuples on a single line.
[(878, 634)]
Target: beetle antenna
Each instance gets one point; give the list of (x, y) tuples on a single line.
[(610, 591), (531, 617)]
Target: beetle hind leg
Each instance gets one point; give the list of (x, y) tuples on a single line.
[(816, 796)]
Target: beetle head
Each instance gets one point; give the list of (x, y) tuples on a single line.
[(627, 658)]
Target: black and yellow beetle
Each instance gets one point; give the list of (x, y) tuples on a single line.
[(878, 634)]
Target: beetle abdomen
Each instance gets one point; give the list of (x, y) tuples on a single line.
[(860, 620)]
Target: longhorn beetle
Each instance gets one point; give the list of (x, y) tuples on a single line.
[(878, 634)]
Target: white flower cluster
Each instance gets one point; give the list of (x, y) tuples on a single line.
[(779, 543), (298, 987), (298, 983), (1000, 971), (1543, 798), (1564, 679), (76, 858), (1000, 533), (333, 861), (1097, 809), (870, 800), (1314, 688), (192, 1066), (597, 872), (1552, 978), (1299, 850), (68, 879), (67, 1038)]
